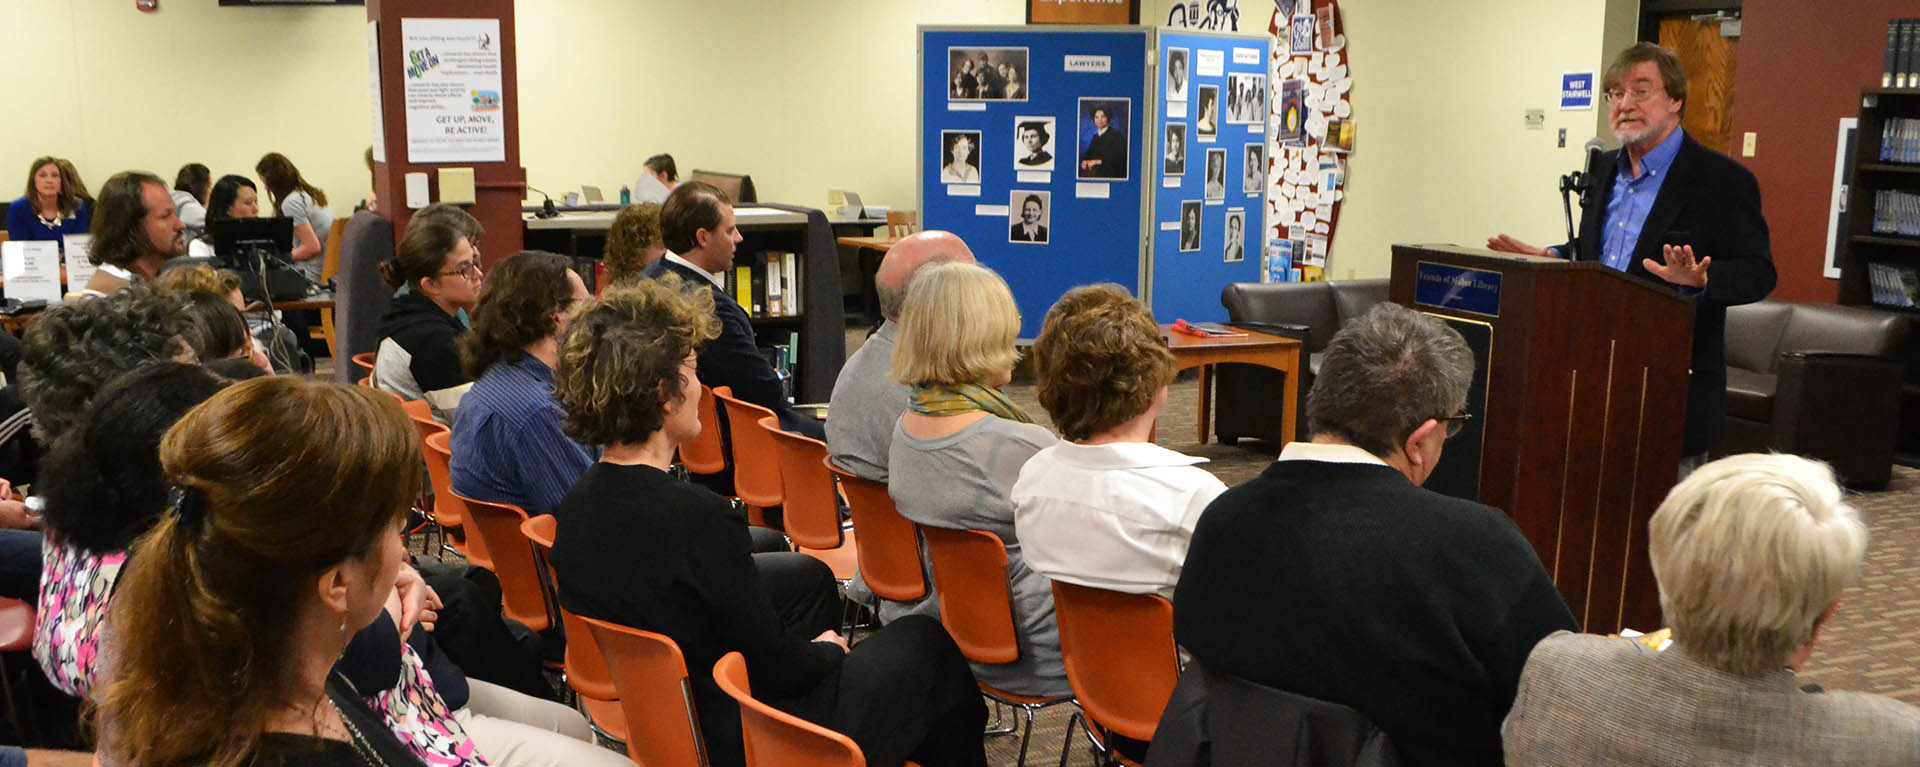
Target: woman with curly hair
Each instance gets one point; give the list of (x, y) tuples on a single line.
[(641, 548), (633, 242), (1107, 508), (507, 443)]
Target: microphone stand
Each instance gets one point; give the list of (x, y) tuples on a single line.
[(547, 209), (1577, 181)]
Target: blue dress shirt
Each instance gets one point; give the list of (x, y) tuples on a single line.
[(1633, 198), (507, 444)]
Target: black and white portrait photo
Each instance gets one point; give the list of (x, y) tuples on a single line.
[(1033, 143), (1254, 169), (1246, 98), (1027, 214), (960, 157), (1175, 161), (1236, 247), (1176, 74), (1216, 188), (1103, 138), (1189, 226), (1206, 120), (987, 74)]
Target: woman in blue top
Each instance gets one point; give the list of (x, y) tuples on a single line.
[(55, 204)]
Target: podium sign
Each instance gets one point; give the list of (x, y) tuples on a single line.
[(1581, 413)]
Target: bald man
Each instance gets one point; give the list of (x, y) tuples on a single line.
[(865, 403)]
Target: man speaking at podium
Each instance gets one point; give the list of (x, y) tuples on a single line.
[(1665, 208)]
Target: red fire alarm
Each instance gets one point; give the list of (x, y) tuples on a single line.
[(147, 5)]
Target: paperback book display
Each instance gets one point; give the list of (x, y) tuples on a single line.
[(1896, 213), (769, 287), (1900, 140), (1894, 285)]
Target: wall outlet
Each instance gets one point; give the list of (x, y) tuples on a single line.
[(1747, 143)]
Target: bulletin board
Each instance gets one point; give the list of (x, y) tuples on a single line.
[(1218, 113), (979, 86)]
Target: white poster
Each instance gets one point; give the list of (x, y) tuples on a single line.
[(373, 90), (453, 90), (79, 266), (31, 269)]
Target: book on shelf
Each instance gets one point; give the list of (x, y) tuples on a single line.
[(1894, 285), (1900, 140), (1896, 212), (1892, 58), (769, 286)]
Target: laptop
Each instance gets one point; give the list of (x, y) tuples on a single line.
[(852, 208), (592, 193)]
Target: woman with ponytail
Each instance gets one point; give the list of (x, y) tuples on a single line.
[(232, 611), (437, 274)]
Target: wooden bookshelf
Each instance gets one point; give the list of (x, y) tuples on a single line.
[(1862, 246)]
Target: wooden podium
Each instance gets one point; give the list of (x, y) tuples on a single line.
[(1579, 400)]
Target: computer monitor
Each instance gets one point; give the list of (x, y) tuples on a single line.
[(235, 239), (737, 186)]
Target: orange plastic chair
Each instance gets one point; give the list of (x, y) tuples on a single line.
[(17, 621), (888, 547), (970, 579), (706, 453), (775, 738), (811, 515), (648, 670), (448, 510), (756, 465), (421, 414), (587, 672), (523, 590), (1120, 659), (365, 361)]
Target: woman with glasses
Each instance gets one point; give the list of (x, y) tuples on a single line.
[(438, 274)]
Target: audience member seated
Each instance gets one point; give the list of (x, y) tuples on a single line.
[(1751, 553), (640, 548), (232, 197), (303, 202), (660, 178), (958, 449), (134, 232), (76, 348), (697, 224), (220, 282), (282, 540), (1107, 508), (507, 443), (51, 209), (417, 358), (633, 243), (1335, 576), (216, 330), (866, 404), (190, 188)]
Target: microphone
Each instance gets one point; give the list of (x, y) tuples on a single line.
[(1594, 173), (547, 210), (1582, 181)]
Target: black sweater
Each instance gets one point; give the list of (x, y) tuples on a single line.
[(1347, 583), (642, 549)]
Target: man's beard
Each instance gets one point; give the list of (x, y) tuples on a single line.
[(1628, 136)]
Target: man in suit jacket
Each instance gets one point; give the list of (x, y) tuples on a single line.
[(1752, 553), (1106, 152), (1665, 208), (697, 226), (1334, 575)]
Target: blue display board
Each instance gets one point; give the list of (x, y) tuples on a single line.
[(1225, 88), (1042, 219)]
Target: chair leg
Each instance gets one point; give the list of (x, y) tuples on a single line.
[(996, 727), (1066, 744), (1025, 736)]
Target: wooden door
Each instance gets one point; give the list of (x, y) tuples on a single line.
[(1709, 59)]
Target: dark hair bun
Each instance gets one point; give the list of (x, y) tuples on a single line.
[(390, 271)]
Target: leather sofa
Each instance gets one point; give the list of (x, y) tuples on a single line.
[(1816, 380), (1310, 311)]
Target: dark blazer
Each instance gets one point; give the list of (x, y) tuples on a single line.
[(1020, 236), (1218, 720), (1041, 157), (1110, 148), (734, 359), (1715, 202)]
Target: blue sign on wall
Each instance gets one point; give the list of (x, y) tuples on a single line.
[(1576, 90), (1456, 287)]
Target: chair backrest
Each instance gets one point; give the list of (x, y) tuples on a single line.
[(888, 546), (738, 187), (587, 671), (648, 671), (706, 453), (901, 223), (417, 409), (422, 417), (775, 738), (756, 467), (330, 260), (365, 361), (448, 509), (810, 514), (1120, 655), (970, 576), (523, 589)]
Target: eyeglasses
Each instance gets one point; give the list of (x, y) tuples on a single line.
[(1455, 423), (469, 270), (1634, 96)]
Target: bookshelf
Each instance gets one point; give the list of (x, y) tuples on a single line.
[(1865, 252), (819, 327)]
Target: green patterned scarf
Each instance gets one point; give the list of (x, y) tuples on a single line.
[(940, 399)]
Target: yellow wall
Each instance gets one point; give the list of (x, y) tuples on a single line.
[(802, 95)]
